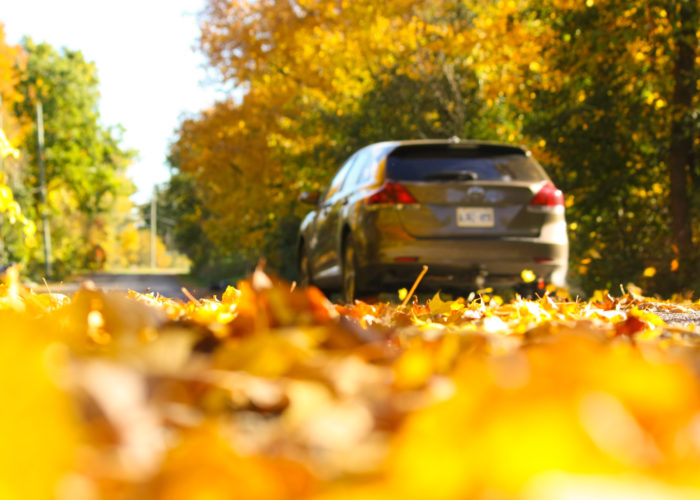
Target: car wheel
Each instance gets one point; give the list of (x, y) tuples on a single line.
[(304, 273), (349, 270), (530, 291)]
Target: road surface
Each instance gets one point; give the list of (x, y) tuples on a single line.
[(683, 319), (168, 285)]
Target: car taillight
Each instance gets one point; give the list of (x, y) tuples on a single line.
[(391, 193), (548, 196)]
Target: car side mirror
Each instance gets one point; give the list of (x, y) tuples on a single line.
[(310, 197)]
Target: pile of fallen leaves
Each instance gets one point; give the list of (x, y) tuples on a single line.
[(275, 393)]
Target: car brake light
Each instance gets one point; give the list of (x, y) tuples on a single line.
[(391, 193), (548, 196), (406, 259)]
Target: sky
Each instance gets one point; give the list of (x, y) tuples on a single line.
[(150, 74)]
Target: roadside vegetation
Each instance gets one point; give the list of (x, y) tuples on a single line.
[(73, 206), (604, 93)]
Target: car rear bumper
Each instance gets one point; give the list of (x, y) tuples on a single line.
[(467, 263)]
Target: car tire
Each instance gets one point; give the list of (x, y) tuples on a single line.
[(303, 265), (349, 270), (530, 291)]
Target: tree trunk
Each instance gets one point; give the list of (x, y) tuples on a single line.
[(685, 25)]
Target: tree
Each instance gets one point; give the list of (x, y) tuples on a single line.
[(85, 164), (611, 120), (16, 230), (685, 23), (604, 93), (319, 81), (179, 203)]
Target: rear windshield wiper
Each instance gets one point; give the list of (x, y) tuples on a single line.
[(458, 175)]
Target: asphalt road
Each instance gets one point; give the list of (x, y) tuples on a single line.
[(168, 285), (685, 318)]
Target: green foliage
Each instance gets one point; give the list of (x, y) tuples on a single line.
[(443, 103), (179, 202), (85, 162), (607, 126)]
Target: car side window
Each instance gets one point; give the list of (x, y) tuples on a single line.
[(366, 174), (365, 171), (357, 172), (339, 179)]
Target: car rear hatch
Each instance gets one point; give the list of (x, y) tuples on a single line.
[(467, 190)]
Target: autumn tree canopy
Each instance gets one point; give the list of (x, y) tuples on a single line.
[(603, 92), (15, 239)]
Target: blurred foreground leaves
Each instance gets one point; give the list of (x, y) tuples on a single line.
[(275, 393)]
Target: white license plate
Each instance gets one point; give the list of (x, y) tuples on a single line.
[(475, 217)]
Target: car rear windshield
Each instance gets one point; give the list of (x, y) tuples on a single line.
[(450, 163)]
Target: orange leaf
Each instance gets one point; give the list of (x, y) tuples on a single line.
[(630, 326)]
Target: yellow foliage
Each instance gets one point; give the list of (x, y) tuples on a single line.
[(412, 369), (12, 210), (6, 148), (528, 276), (37, 423), (203, 466), (273, 393), (11, 58)]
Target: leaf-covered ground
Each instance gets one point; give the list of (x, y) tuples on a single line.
[(275, 393)]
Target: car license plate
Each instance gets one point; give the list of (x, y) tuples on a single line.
[(475, 217)]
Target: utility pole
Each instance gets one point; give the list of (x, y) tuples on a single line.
[(42, 188), (154, 200)]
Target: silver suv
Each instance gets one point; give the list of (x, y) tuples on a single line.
[(476, 213)]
